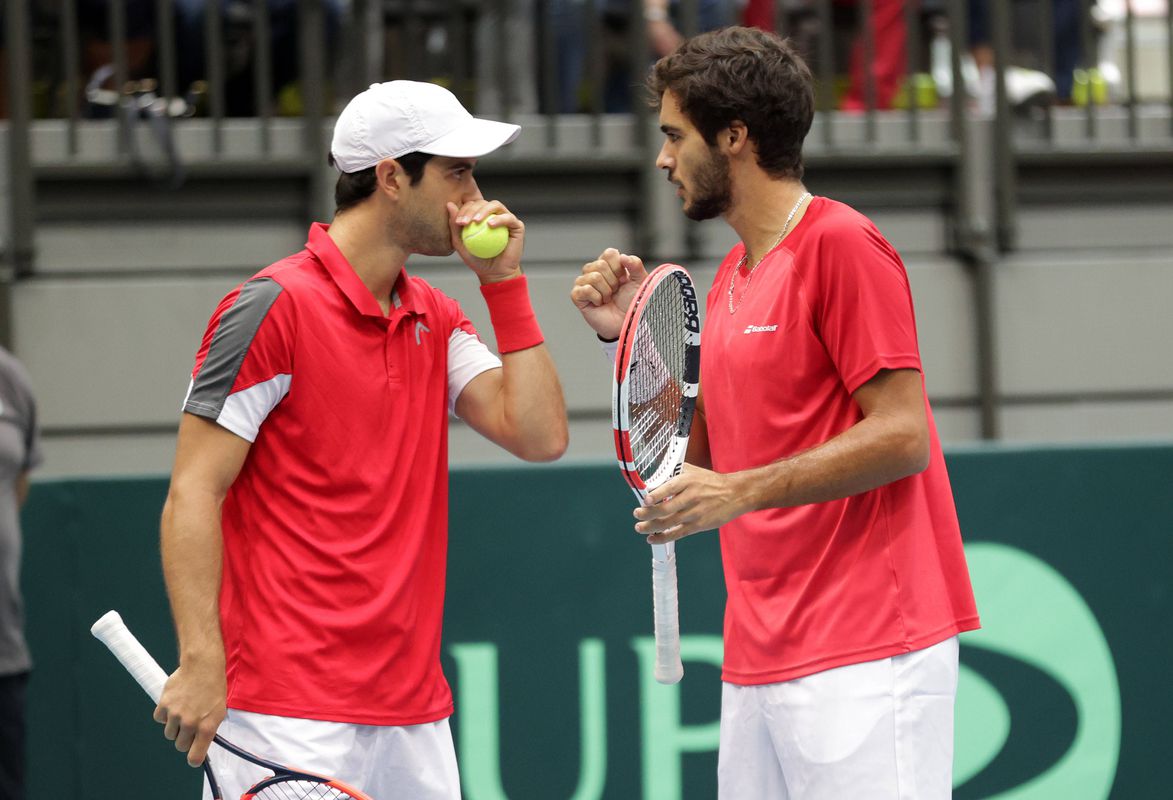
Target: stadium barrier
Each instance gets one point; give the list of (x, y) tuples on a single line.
[(547, 640)]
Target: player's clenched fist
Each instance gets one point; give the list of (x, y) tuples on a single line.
[(605, 288)]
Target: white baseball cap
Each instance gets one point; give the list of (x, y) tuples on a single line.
[(391, 119)]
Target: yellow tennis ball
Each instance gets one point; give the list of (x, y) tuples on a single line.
[(483, 241)]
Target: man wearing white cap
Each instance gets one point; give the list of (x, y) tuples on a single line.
[(304, 535)]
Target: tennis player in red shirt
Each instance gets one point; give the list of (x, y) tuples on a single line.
[(305, 531), (813, 451)]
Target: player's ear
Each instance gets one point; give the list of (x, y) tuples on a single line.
[(388, 176), (735, 137)]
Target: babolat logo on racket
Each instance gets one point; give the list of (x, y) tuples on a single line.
[(692, 319)]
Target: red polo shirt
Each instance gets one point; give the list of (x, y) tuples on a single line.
[(336, 529)]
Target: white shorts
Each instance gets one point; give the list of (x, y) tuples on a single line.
[(881, 730), (411, 762)]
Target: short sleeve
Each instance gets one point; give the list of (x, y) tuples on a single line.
[(863, 306), (244, 365), (468, 356)]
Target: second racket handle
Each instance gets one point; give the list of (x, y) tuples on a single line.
[(669, 669), (113, 633)]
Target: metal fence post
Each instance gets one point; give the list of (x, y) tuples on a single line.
[(20, 216), (1005, 160), (312, 45), (647, 139), (974, 230)]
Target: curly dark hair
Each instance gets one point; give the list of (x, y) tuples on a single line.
[(354, 187), (742, 74)]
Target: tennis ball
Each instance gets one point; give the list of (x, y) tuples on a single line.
[(483, 241)]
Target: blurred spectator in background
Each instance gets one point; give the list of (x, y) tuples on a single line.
[(759, 14), (32, 9), (96, 48), (889, 63), (1109, 63), (93, 24), (19, 454), (514, 21), (663, 23), (142, 47), (1026, 86), (239, 49)]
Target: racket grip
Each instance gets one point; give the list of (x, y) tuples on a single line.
[(664, 602), (111, 631)]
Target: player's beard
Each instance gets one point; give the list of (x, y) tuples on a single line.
[(712, 188), (427, 234)]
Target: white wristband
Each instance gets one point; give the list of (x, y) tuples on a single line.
[(609, 350)]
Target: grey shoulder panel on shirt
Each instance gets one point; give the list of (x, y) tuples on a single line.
[(230, 344)]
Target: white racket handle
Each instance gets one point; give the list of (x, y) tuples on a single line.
[(111, 631), (667, 615)]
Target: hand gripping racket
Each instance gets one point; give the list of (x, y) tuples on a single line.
[(657, 375), (283, 784)]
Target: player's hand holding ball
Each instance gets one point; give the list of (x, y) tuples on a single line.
[(488, 238)]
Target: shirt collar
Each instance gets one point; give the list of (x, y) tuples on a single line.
[(339, 269)]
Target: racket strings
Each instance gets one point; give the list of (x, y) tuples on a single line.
[(656, 378), (302, 790)]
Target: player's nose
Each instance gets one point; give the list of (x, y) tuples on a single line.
[(663, 160), (471, 193)]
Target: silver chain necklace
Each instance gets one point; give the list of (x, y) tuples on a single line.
[(745, 258)]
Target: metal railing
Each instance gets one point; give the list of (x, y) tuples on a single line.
[(1115, 107)]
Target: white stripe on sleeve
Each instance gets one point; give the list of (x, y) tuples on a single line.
[(467, 357), (244, 411)]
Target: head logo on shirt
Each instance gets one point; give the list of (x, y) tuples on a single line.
[(420, 327)]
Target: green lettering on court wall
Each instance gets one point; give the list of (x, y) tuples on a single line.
[(478, 728), (1029, 612), (982, 724), (665, 739), (1032, 613)]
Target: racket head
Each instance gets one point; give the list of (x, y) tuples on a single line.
[(287, 783), (294, 787), (656, 379)]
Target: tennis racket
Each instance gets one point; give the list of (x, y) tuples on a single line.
[(657, 375), (283, 784)]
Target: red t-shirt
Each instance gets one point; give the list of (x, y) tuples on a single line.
[(336, 529), (851, 580)]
